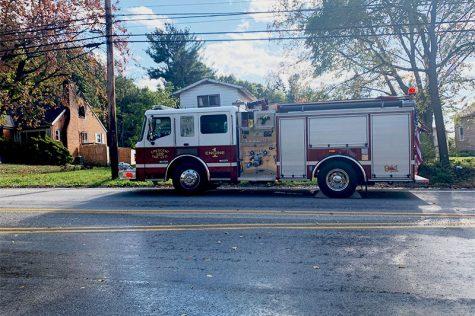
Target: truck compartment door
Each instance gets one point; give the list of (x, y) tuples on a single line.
[(391, 146), (292, 148)]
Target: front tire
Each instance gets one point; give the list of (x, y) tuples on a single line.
[(189, 179), (337, 179)]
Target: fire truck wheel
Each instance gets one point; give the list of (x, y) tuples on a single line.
[(189, 179), (337, 179)]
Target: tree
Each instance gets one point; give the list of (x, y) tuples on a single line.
[(176, 53), (132, 102), (42, 44), (389, 45), (272, 93)]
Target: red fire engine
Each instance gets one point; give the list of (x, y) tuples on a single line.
[(342, 144)]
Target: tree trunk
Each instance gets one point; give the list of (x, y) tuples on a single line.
[(436, 104), (434, 93)]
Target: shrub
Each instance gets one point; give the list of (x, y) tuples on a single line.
[(37, 151), (459, 173)]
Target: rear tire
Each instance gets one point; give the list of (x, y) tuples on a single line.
[(189, 179), (337, 179)]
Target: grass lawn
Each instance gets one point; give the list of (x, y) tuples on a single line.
[(17, 176)]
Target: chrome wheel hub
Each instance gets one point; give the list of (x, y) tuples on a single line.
[(189, 178), (337, 180)]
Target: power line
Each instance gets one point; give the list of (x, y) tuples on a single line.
[(245, 31), (184, 14), (285, 38), (303, 29), (61, 42), (97, 44), (52, 28), (199, 4), (40, 52)]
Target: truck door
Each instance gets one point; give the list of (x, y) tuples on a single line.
[(391, 146), (187, 134), (160, 132), (292, 148)]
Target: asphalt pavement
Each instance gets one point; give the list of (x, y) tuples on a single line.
[(236, 251)]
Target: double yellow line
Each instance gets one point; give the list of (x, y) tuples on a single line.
[(248, 226), (234, 212)]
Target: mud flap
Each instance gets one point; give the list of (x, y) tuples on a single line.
[(422, 180)]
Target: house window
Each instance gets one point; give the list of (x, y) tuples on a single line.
[(160, 127), (57, 135), (214, 124), (82, 111), (205, 101), (99, 138), (461, 136), (187, 128), (83, 137)]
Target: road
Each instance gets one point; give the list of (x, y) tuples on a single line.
[(252, 251)]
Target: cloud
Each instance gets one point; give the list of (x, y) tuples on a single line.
[(243, 26), (158, 22), (257, 5), (247, 60), (268, 5), (152, 84)]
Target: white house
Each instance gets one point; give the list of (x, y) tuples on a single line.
[(210, 93)]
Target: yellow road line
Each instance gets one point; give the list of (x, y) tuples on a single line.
[(211, 227), (234, 212)]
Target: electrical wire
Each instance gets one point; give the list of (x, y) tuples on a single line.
[(260, 31)]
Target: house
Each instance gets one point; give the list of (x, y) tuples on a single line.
[(210, 93), (465, 130), (73, 122)]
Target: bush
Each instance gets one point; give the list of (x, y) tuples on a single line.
[(459, 173), (37, 151), (463, 153), (427, 146)]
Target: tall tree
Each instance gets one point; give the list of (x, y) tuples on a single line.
[(391, 44), (43, 43), (176, 53)]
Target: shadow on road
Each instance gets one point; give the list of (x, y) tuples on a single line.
[(265, 193), (253, 198)]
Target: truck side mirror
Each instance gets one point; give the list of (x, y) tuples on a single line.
[(150, 135)]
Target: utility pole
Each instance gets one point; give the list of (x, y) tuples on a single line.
[(112, 133)]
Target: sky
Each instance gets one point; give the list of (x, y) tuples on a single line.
[(253, 61)]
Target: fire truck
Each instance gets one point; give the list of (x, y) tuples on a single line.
[(341, 144)]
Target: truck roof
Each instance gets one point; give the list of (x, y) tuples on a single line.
[(160, 110), (381, 102)]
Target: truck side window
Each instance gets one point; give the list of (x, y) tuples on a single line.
[(214, 124), (187, 126), (160, 127)]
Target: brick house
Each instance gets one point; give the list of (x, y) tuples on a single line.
[(465, 130), (73, 123)]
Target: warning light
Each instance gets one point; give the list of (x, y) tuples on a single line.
[(412, 91)]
